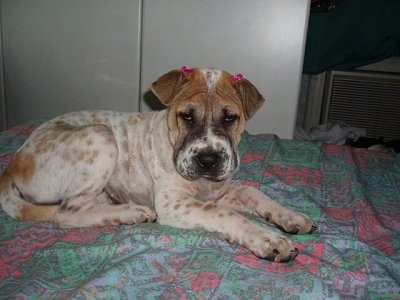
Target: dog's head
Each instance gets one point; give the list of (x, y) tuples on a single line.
[(207, 112)]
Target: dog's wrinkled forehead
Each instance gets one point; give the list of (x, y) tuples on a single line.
[(180, 85)]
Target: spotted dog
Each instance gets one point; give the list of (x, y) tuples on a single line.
[(95, 168)]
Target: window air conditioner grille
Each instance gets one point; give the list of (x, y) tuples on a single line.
[(364, 99)]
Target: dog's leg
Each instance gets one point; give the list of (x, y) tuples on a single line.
[(88, 211), (249, 199), (184, 211)]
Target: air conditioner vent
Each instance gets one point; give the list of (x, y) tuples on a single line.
[(364, 99)]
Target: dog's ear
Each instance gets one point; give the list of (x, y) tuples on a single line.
[(251, 98), (168, 85)]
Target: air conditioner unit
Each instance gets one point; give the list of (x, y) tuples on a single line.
[(369, 100)]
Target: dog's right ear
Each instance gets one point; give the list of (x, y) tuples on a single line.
[(168, 85)]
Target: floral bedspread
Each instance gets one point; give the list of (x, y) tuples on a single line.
[(353, 194)]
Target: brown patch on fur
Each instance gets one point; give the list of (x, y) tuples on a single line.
[(193, 204), (209, 206), (66, 207), (92, 157), (109, 222), (82, 135), (44, 145), (22, 167), (64, 137), (132, 120), (37, 212), (89, 142)]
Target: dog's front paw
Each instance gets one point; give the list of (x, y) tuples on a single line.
[(294, 222), (272, 246), (134, 214), (143, 214)]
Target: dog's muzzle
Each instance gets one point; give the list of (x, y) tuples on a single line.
[(214, 159)]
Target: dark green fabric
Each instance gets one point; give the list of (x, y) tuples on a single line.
[(355, 33)]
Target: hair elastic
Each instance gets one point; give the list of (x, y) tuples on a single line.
[(186, 70), (236, 77)]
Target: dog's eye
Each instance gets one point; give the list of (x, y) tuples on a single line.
[(187, 117), (229, 119)]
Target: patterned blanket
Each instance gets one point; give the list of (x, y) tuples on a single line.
[(353, 194)]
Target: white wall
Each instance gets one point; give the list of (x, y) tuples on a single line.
[(65, 55)]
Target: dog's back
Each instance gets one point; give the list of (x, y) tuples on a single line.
[(75, 154)]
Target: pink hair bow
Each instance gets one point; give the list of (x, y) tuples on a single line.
[(186, 70), (236, 77)]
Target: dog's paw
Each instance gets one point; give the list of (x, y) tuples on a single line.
[(142, 214), (272, 247), (133, 214), (294, 222)]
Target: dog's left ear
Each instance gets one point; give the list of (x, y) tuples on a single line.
[(168, 85), (251, 98)]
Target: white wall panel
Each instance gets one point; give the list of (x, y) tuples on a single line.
[(64, 55)]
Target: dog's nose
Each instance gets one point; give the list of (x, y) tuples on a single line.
[(208, 160)]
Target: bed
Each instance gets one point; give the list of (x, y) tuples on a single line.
[(353, 194)]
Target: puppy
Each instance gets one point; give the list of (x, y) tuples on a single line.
[(95, 168)]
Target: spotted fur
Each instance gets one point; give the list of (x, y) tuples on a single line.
[(95, 168)]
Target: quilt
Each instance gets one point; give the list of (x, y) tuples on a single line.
[(353, 194)]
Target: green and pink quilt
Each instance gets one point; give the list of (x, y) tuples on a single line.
[(353, 195)]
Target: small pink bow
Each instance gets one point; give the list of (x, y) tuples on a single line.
[(186, 70), (236, 77)]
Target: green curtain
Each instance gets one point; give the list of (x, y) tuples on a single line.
[(355, 33)]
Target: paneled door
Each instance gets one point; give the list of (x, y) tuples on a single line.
[(66, 55)]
